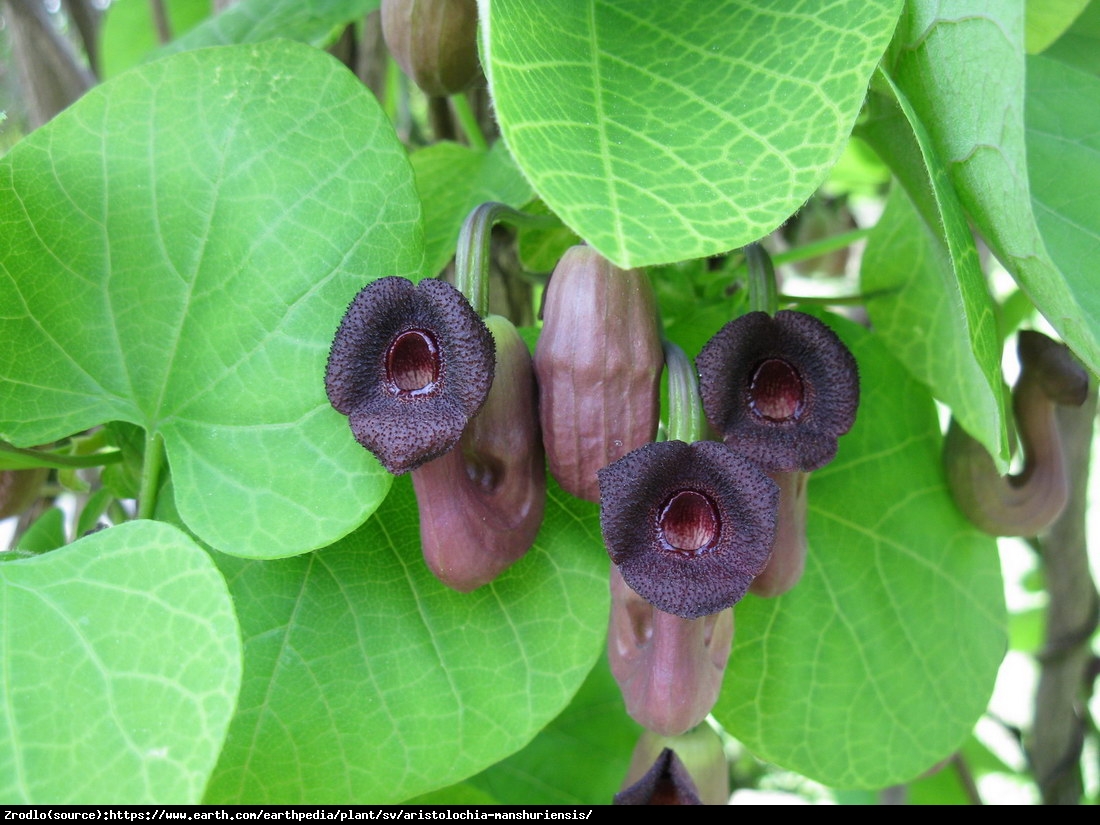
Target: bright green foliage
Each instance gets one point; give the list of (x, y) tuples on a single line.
[(178, 247), (891, 641), (365, 678), (121, 659), (666, 131), (184, 268)]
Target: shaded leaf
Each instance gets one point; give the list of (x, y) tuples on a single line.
[(254, 21), (126, 683), (452, 180), (1063, 153), (974, 113)]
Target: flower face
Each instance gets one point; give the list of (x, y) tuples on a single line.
[(780, 390), (689, 525), (410, 365)]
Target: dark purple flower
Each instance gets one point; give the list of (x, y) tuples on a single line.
[(779, 389), (689, 525), (667, 782), (410, 365)]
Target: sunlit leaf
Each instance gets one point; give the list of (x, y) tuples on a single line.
[(367, 679)]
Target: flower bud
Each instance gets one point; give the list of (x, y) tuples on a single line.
[(481, 505), (434, 42), (598, 361)]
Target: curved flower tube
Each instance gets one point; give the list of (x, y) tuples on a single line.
[(669, 669), (1027, 503), (779, 389), (410, 365), (688, 525), (481, 505), (788, 556)]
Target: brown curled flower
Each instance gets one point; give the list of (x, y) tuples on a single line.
[(689, 525), (410, 365), (779, 389)]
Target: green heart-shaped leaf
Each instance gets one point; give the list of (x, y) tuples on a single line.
[(367, 679), (1063, 121), (661, 132), (880, 661), (121, 658), (177, 250)]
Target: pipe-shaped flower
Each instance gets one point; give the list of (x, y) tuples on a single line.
[(481, 504), (669, 669), (779, 389), (689, 525), (411, 364)]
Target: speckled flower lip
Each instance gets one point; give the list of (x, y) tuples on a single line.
[(779, 389), (689, 525), (410, 365)]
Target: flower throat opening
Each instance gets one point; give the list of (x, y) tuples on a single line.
[(689, 523), (412, 363), (776, 392)]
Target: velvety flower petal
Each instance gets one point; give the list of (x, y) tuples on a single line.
[(779, 389), (409, 366), (689, 525)]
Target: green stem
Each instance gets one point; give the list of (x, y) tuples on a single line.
[(472, 255), (763, 292), (686, 421), (150, 475), (20, 458), (835, 300), (468, 121), (821, 247)]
